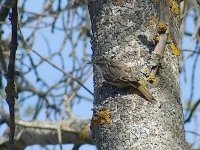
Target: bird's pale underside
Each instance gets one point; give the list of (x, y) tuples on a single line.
[(119, 74)]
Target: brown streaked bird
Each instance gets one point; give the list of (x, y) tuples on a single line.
[(120, 75)]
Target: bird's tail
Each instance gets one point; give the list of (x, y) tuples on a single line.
[(146, 93), (142, 91)]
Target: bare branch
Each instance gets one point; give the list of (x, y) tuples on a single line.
[(192, 111), (10, 76), (55, 66), (74, 130)]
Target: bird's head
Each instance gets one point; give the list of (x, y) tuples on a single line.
[(100, 63)]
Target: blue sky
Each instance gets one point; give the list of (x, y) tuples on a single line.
[(186, 84)]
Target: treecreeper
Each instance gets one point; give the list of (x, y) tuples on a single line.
[(121, 75)]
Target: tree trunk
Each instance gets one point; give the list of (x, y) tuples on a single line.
[(124, 30)]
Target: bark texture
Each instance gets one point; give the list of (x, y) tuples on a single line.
[(122, 31)]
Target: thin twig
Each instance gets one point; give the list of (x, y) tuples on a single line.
[(65, 73), (192, 81), (191, 51), (55, 66), (192, 111)]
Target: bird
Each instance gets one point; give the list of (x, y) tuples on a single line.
[(117, 73)]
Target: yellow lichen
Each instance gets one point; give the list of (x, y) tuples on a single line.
[(175, 50), (156, 37), (169, 38), (152, 79), (95, 120), (174, 7), (83, 133), (101, 117), (162, 26), (145, 70), (152, 20)]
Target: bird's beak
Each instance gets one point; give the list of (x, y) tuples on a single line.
[(90, 62)]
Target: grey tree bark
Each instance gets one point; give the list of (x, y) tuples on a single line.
[(123, 30)]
